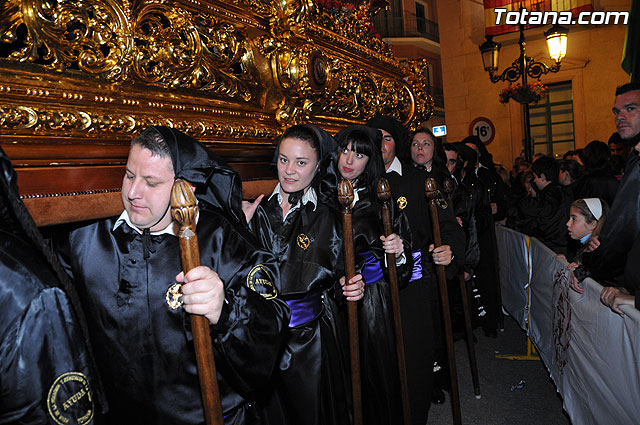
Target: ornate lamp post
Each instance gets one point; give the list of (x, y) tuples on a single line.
[(523, 67)]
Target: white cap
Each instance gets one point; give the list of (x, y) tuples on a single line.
[(595, 206)]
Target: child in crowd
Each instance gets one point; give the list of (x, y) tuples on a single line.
[(586, 218)]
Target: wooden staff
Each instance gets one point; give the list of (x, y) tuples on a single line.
[(345, 196), (184, 210), (384, 195), (432, 192), (448, 190)]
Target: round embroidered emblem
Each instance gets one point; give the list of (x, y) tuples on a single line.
[(259, 280), (69, 400)]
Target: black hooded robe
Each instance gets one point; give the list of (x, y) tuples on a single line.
[(312, 382)]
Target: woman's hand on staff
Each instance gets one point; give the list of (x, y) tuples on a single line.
[(354, 291), (249, 208), (202, 293), (442, 255), (392, 244)]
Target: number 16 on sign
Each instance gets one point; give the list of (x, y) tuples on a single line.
[(483, 128)]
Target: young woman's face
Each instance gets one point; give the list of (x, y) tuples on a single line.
[(297, 164), (351, 164), (422, 147), (578, 226)]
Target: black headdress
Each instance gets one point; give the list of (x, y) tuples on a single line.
[(485, 158), (395, 129), (216, 183)]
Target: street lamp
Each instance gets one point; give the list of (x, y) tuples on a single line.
[(524, 66)]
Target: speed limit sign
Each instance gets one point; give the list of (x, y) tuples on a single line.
[(483, 128)]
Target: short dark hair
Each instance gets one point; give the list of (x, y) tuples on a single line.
[(153, 141), (572, 167), (547, 166), (450, 147), (626, 88)]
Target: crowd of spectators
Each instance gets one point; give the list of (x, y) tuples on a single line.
[(564, 204)]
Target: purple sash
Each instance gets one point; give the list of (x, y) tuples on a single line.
[(372, 270), (416, 273), (305, 309)]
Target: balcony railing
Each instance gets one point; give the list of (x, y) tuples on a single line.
[(408, 25)]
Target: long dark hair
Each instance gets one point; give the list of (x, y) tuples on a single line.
[(367, 141)]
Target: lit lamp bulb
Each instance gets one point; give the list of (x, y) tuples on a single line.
[(557, 42)]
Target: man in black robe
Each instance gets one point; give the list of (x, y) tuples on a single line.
[(607, 263), (48, 375), (125, 266), (419, 298)]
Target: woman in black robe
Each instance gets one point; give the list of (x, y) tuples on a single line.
[(300, 225), (360, 161), (420, 296)]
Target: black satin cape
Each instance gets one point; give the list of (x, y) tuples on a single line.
[(144, 348), (312, 383), (381, 394), (44, 360)]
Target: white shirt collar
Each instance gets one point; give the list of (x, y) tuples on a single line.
[(171, 229), (309, 196), (396, 166)]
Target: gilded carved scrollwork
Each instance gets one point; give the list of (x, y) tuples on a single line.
[(303, 76), (176, 48), (417, 79), (43, 120), (286, 60), (90, 36)]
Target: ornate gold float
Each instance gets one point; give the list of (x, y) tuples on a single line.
[(79, 78)]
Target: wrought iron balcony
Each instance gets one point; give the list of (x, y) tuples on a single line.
[(408, 25)]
